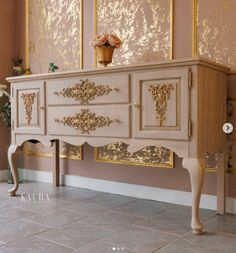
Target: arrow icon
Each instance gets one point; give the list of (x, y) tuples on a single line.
[(228, 128)]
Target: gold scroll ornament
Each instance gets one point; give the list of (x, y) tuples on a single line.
[(85, 91), (86, 121), (28, 99), (160, 95)]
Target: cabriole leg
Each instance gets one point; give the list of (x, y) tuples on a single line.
[(14, 170), (196, 172)]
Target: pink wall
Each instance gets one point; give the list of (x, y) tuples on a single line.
[(7, 52), (182, 38), (176, 178)]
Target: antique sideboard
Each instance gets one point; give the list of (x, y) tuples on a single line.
[(179, 104)]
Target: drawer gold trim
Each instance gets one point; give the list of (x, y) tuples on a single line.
[(86, 121), (85, 91)]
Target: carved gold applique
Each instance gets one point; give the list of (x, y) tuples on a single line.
[(160, 94), (28, 99), (85, 91), (86, 121)]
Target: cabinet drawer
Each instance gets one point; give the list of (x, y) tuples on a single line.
[(102, 89), (104, 121)]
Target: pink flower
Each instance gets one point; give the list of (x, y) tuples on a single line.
[(114, 40), (107, 40)]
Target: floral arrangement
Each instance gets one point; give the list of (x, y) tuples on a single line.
[(106, 39), (18, 69), (5, 108)]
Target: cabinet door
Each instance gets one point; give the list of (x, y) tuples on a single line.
[(162, 104), (28, 104)]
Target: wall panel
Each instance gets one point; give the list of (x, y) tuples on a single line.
[(144, 27), (216, 31), (54, 34)]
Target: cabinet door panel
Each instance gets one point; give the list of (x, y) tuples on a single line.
[(29, 107), (162, 104)]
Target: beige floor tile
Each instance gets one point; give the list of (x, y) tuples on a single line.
[(143, 208), (39, 207), (9, 201), (101, 247), (174, 249), (176, 227), (76, 195), (34, 245), (57, 217), (93, 222), (12, 213), (113, 220), (100, 203), (15, 230), (208, 243), (183, 213), (139, 239), (223, 223), (75, 235), (175, 220)]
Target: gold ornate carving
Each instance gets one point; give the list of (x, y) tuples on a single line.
[(153, 156), (86, 121), (160, 94), (28, 99), (85, 91)]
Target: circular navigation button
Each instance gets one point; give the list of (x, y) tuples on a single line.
[(228, 128)]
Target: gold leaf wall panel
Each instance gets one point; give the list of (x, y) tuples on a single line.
[(150, 156), (54, 34), (143, 26), (67, 151), (215, 29)]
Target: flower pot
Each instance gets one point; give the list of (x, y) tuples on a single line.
[(104, 54)]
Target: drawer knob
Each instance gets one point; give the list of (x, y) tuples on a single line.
[(117, 120), (137, 106), (42, 108), (56, 93), (115, 89)]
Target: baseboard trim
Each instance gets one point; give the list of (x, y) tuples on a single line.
[(133, 190), (3, 175)]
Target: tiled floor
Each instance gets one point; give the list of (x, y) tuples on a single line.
[(73, 220)]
